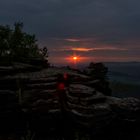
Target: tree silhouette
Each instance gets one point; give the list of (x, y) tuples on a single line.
[(16, 44), (5, 33), (44, 52), (97, 71)]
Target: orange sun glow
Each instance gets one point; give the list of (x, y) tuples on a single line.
[(75, 58)]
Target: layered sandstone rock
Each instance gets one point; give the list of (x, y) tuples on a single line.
[(36, 99)]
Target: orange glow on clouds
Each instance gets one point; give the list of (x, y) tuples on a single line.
[(72, 40), (104, 48), (84, 49)]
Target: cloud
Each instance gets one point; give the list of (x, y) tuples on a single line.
[(70, 48), (72, 40), (73, 49)]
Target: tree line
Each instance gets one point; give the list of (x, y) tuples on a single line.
[(16, 44)]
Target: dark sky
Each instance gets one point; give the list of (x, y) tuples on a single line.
[(95, 30)]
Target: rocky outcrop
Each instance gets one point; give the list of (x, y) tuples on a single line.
[(58, 101), (127, 109)]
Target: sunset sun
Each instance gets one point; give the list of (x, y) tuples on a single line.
[(75, 58)]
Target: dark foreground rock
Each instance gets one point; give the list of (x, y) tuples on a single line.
[(60, 104)]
